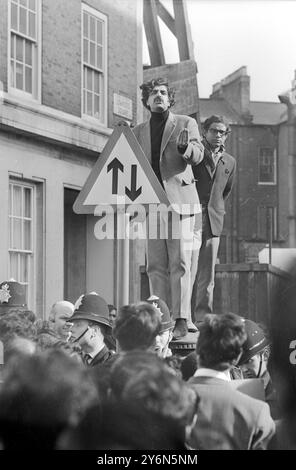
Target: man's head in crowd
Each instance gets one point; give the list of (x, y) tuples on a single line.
[(137, 326), (220, 341), (166, 329), (19, 346), (157, 96), (40, 396), (18, 332), (143, 379), (112, 314), (59, 315), (117, 426), (256, 350)]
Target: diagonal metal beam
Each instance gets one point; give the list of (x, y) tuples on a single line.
[(152, 31), (166, 17), (183, 31)]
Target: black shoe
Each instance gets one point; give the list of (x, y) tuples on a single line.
[(191, 327), (180, 329)]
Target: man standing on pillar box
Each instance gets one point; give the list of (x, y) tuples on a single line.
[(214, 180), (172, 145)]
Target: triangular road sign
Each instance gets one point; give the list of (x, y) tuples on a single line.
[(121, 175)]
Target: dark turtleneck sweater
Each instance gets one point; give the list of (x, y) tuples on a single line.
[(157, 124)]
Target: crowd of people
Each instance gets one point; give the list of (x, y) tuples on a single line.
[(92, 377)]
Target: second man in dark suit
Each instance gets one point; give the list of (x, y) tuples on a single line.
[(214, 180)]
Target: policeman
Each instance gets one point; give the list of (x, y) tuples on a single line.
[(254, 361), (12, 296), (90, 325)]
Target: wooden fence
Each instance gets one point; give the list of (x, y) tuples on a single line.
[(248, 289), (244, 289)]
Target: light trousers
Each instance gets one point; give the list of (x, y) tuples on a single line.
[(169, 258), (203, 272)]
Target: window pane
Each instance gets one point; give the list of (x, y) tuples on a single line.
[(10, 199), (99, 57), (32, 5), (84, 102), (85, 25), (89, 80), (24, 271), (14, 265), (10, 231), (19, 76), (32, 25), (28, 51), (92, 52), (12, 46), (17, 201), (89, 103), (12, 71), (28, 79), (14, 16), (84, 76), (23, 2), (27, 202), (97, 83), (92, 28), (26, 286), (19, 49), (17, 234), (85, 50), (23, 21), (27, 235), (99, 32), (96, 106)]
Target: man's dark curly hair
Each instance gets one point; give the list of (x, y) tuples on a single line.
[(148, 87), (220, 341), (219, 119), (137, 326)]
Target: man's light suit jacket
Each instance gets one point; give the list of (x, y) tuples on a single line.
[(176, 173)]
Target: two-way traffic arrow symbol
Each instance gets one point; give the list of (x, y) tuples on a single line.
[(133, 193), (115, 166)]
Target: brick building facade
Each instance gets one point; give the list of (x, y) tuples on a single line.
[(65, 66), (257, 210)]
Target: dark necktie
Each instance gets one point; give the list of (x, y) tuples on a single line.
[(210, 161)]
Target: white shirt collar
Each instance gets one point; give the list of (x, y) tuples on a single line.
[(96, 351), (217, 374)]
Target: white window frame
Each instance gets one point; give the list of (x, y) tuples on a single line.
[(267, 183), (31, 300), (36, 82), (104, 18)]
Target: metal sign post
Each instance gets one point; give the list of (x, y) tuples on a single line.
[(122, 265)]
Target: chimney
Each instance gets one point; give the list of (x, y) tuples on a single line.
[(235, 89)]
